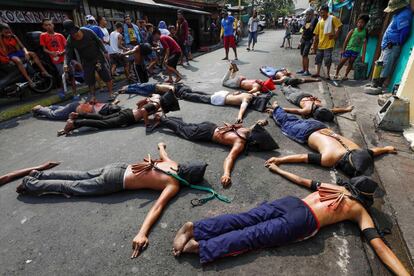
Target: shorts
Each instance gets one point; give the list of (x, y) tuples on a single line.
[(19, 54), (287, 36), (103, 71), (229, 42), (253, 37), (219, 98), (350, 54), (59, 68), (305, 47), (294, 95), (118, 59), (173, 60), (324, 55)]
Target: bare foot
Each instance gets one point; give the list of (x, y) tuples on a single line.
[(37, 107), (68, 128), (73, 115), (182, 237), (275, 104), (191, 246)]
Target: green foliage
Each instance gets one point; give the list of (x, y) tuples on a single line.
[(276, 8)]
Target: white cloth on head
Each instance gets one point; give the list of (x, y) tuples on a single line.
[(328, 25), (219, 98)]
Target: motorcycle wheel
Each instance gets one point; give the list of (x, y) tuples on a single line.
[(43, 84)]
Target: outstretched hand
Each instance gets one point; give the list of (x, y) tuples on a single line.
[(49, 165), (274, 160), (225, 180), (139, 244), (272, 167)]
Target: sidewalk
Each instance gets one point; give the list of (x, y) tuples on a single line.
[(394, 172)]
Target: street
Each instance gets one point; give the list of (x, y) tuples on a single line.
[(54, 235)]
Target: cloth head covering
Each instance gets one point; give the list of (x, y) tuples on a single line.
[(394, 5), (260, 140), (90, 18), (323, 114), (362, 189), (145, 49), (162, 25), (357, 162), (260, 102), (70, 27), (169, 102), (193, 171)]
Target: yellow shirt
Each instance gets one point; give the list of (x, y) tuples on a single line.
[(324, 41)]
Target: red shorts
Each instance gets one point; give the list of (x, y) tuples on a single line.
[(229, 42)]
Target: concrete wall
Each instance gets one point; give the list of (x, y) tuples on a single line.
[(406, 89)]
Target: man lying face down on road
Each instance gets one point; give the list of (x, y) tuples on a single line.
[(167, 102), (62, 112), (333, 149), (256, 86), (310, 106), (149, 174), (286, 77), (238, 137), (287, 220)]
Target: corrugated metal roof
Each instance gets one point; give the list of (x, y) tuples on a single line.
[(167, 6)]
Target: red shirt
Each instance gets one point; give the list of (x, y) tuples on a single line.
[(55, 43), (182, 31), (3, 56), (169, 43), (10, 44)]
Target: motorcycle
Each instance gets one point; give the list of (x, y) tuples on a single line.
[(12, 82)]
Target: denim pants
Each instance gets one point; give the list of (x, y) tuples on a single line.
[(143, 89), (57, 112), (389, 58), (106, 180), (295, 128), (270, 224)]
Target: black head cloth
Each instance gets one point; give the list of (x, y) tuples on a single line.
[(261, 140), (169, 102), (193, 171), (362, 189), (323, 114)]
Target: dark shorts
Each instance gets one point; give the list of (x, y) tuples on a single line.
[(271, 224), (118, 59), (350, 54), (293, 81), (324, 55), (305, 47), (173, 60), (103, 71), (229, 42), (294, 95), (19, 54)]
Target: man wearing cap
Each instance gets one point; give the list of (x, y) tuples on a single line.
[(92, 55), (334, 150), (287, 220), (231, 80), (149, 174), (92, 25), (236, 136), (228, 34), (310, 106), (394, 37)]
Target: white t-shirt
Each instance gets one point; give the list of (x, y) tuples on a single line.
[(105, 38), (253, 24), (113, 42)]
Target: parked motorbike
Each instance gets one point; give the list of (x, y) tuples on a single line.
[(12, 82)]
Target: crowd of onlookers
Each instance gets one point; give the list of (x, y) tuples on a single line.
[(92, 51)]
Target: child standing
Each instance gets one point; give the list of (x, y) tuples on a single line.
[(354, 42), (288, 34)]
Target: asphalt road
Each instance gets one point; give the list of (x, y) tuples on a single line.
[(53, 235)]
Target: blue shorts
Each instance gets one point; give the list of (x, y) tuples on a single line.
[(350, 54), (143, 89), (295, 128), (19, 54), (271, 224)]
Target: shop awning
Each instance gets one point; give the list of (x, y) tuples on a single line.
[(48, 4), (151, 3)]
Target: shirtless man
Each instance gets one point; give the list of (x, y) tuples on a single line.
[(4, 179), (231, 80), (333, 149), (149, 174), (310, 106), (184, 92), (235, 136), (287, 220), (286, 77), (125, 117), (62, 112), (140, 52)]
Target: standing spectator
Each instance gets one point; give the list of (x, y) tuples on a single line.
[(228, 34), (91, 24), (213, 30), (116, 48), (173, 33), (252, 25), (307, 40), (182, 35), (153, 59), (288, 34), (142, 29), (102, 23), (190, 43), (53, 44), (92, 55), (162, 26), (132, 35), (355, 41), (326, 33), (394, 37), (17, 53), (172, 53)]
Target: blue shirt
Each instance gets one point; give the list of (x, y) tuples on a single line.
[(96, 30), (227, 24), (399, 28)]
